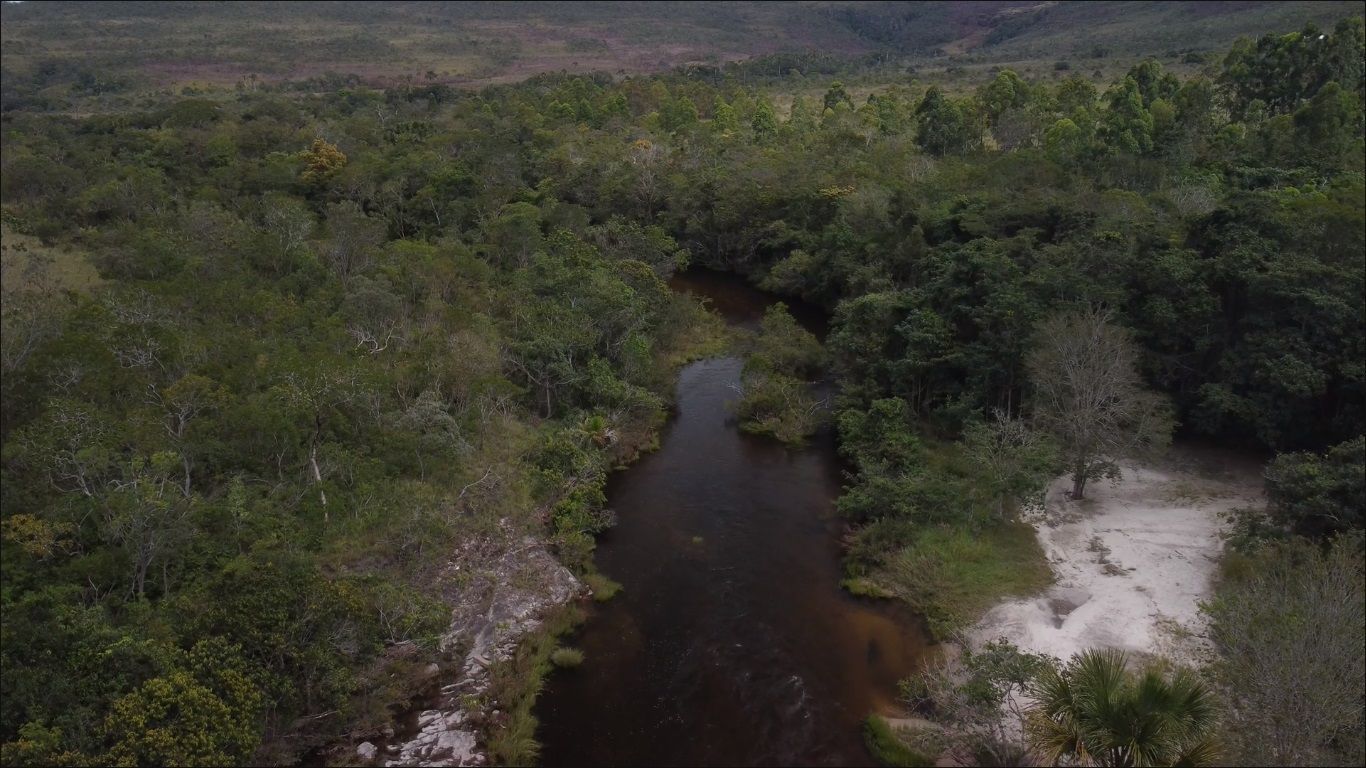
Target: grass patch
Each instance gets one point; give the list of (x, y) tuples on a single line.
[(604, 589), (865, 588), (27, 265), (953, 576), (882, 741), (515, 684), (566, 658)]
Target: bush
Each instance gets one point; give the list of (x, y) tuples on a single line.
[(566, 658), (780, 407), (604, 589)]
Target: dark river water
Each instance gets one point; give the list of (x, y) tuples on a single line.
[(732, 643)]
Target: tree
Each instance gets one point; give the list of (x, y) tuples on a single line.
[(944, 126), (289, 223), (978, 700), (723, 118), (146, 518), (1290, 628), (678, 114), (1128, 125), (1088, 394), (783, 346), (764, 122), (776, 399), (1319, 495), (1007, 91), (837, 95), (622, 239), (1064, 141), (1015, 460), (1095, 712), (322, 161), (203, 715), (354, 239)]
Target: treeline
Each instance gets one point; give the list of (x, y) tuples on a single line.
[(335, 334)]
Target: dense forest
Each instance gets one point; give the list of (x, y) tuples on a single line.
[(272, 353)]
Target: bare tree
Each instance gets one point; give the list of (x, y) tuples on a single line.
[(289, 223), (1291, 639), (354, 239), (27, 315), (1089, 395)]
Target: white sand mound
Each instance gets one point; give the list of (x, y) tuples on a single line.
[(1133, 560)]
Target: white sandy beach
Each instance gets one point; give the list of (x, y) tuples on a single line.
[(1132, 560)]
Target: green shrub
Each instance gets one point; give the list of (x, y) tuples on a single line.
[(566, 658), (604, 589)]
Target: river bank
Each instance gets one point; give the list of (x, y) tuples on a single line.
[(1132, 561)]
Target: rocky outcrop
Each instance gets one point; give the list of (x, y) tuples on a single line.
[(499, 590)]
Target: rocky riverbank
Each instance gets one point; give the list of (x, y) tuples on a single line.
[(500, 589)]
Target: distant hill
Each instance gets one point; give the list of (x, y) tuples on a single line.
[(102, 47), (1030, 29)]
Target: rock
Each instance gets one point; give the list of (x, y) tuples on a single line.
[(431, 669), (509, 588), (367, 751)]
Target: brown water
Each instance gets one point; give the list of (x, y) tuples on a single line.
[(732, 643)]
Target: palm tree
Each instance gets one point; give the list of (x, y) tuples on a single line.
[(1094, 712)]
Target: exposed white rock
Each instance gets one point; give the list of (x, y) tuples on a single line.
[(502, 594), (367, 751)]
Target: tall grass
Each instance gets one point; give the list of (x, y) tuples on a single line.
[(515, 684)]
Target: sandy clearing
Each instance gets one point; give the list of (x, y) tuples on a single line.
[(1133, 561)]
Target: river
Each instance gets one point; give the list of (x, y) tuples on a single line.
[(732, 642)]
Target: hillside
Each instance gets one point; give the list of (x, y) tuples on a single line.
[(55, 51)]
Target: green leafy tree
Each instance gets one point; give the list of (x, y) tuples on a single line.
[(765, 122), (837, 95), (723, 118), (1319, 495), (1128, 125), (1006, 91), (1015, 460), (205, 715), (978, 700), (944, 127)]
